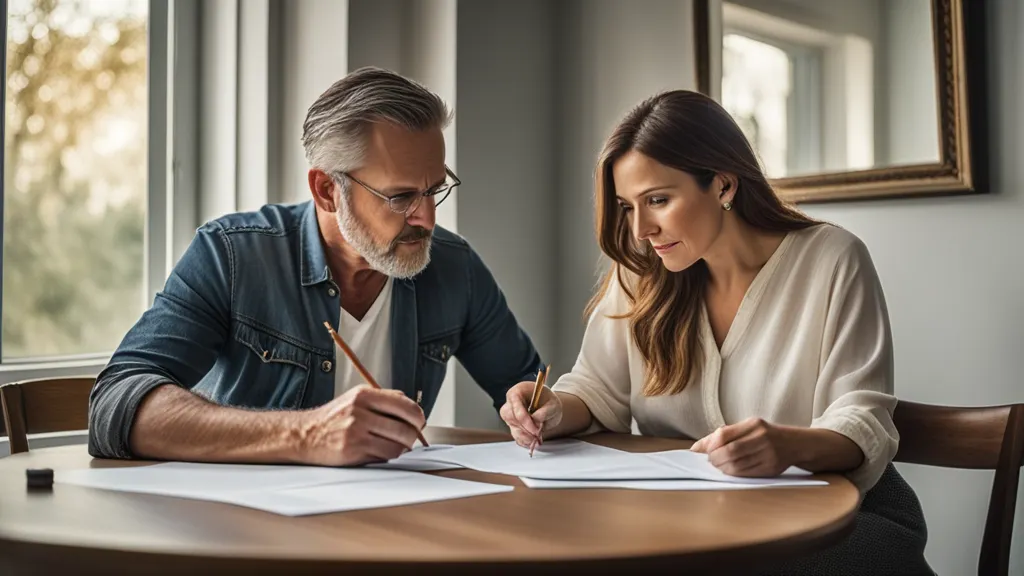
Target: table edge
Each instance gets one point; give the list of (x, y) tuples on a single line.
[(18, 546)]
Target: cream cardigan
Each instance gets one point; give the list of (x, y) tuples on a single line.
[(810, 346)]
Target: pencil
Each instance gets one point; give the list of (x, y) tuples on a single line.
[(362, 370), (538, 388)]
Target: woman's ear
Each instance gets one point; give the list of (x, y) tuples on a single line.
[(726, 185)]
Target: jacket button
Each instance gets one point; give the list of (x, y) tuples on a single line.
[(326, 365), (332, 292)]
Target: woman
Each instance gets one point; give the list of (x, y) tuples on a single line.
[(731, 318)]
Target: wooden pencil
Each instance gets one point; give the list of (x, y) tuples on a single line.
[(362, 370), (538, 389)]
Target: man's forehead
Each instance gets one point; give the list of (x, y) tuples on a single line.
[(402, 151)]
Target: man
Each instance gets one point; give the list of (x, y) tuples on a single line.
[(233, 362)]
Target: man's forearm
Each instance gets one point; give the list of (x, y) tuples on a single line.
[(175, 424)]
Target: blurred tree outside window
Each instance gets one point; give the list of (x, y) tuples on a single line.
[(74, 185)]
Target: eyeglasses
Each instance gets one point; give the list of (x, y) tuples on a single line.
[(406, 202)]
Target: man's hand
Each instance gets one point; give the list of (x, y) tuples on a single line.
[(363, 425)]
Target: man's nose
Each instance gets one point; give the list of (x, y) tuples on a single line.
[(424, 214)]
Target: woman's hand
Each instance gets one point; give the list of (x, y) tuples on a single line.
[(752, 448), (527, 429)]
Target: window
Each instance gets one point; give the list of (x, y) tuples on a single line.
[(75, 144), (756, 91), (89, 223)]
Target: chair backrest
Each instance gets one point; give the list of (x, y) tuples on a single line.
[(989, 438), (44, 405)]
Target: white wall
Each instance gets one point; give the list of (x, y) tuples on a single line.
[(314, 54), (375, 36), (953, 275), (507, 142), (611, 56)]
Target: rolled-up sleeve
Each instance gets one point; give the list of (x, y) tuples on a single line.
[(600, 376), (176, 342), (854, 392)]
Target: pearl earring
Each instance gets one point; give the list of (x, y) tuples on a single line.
[(727, 206)]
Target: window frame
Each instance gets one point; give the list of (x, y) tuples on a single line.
[(170, 199), (804, 110), (824, 64)]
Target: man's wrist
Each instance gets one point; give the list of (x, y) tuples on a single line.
[(292, 436)]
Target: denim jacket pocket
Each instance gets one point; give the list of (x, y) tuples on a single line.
[(278, 370), (435, 353), (439, 350)]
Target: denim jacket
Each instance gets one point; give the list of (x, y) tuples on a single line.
[(240, 321)]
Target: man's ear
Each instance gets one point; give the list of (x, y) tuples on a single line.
[(322, 186)]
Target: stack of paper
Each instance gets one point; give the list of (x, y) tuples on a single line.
[(572, 463), (287, 490), (302, 490)]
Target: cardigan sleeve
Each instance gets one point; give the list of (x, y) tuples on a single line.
[(854, 390), (600, 376)]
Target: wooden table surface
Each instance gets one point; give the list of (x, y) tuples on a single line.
[(73, 529)]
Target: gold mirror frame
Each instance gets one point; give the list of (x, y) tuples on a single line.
[(959, 34)]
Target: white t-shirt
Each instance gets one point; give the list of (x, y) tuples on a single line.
[(370, 339)]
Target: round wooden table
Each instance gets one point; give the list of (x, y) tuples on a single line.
[(72, 529)]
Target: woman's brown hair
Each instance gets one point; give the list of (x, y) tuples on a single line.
[(689, 132)]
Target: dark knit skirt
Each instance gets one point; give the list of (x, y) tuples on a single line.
[(888, 538)]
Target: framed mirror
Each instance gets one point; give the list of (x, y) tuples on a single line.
[(852, 100)]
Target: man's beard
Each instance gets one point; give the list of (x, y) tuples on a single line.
[(385, 258)]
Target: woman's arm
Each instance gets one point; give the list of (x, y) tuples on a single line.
[(595, 393), (822, 450), (576, 417), (854, 392), (757, 448)]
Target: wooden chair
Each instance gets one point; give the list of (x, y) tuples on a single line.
[(990, 438), (44, 405)]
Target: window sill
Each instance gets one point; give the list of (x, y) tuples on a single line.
[(14, 371), (48, 440)]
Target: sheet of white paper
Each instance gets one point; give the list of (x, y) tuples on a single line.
[(696, 466), (683, 485), (570, 459), (398, 491), (289, 490), (565, 459), (197, 479), (416, 462)]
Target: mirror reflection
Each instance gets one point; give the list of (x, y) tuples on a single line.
[(831, 85)]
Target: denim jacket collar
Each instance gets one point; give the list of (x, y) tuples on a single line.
[(314, 258)]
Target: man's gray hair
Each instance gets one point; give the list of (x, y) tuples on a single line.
[(336, 127)]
